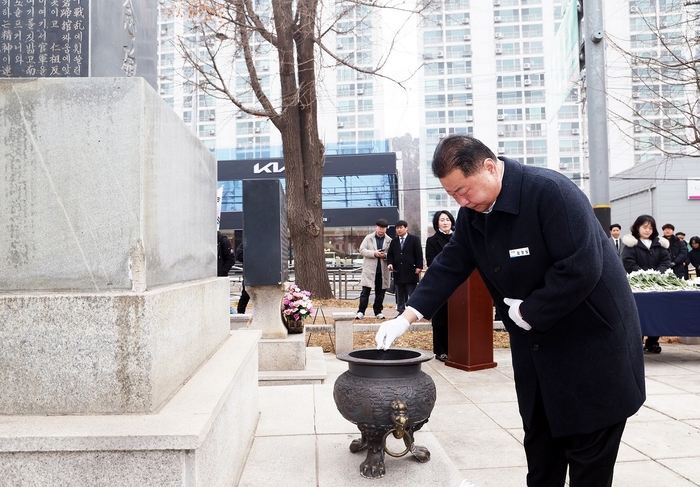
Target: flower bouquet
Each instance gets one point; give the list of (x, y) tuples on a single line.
[(296, 305), (650, 280)]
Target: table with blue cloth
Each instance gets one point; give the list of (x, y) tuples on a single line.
[(669, 313)]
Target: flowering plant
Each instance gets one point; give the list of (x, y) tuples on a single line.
[(297, 304), (651, 280)]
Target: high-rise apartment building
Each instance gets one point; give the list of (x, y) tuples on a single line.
[(486, 75), (652, 45)]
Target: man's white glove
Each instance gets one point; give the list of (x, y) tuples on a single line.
[(390, 331), (514, 313)]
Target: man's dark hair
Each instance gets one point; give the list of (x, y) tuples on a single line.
[(641, 220), (615, 225), (678, 234), (668, 225), (382, 223), (460, 151), (401, 223)]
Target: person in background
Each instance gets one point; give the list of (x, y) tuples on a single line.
[(245, 297), (225, 257), (681, 237), (405, 261), (694, 254), (574, 330), (443, 223), (644, 250), (678, 251), (374, 269), (615, 230)]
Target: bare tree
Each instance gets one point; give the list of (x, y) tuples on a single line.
[(664, 63), (234, 32)]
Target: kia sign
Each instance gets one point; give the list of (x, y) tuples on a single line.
[(269, 168)]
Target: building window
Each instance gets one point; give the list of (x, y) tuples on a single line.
[(569, 145), (432, 85), (506, 65), (534, 113), (434, 117), (534, 30), (509, 97), (434, 101), (536, 146), (532, 14), (456, 67), (359, 191), (536, 161)]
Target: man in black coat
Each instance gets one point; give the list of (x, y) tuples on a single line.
[(678, 251), (225, 257), (563, 295), (405, 259)]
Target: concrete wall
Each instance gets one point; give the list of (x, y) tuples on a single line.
[(102, 188)]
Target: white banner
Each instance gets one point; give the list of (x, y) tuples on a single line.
[(219, 196)]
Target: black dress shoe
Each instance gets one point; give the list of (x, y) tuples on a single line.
[(652, 348)]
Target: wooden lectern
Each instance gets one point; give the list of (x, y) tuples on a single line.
[(470, 326)]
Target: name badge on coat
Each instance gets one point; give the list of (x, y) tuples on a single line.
[(522, 252)]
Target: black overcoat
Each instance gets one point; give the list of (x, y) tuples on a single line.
[(636, 256), (406, 260), (542, 244)]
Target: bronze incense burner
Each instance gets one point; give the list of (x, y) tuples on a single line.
[(384, 392)]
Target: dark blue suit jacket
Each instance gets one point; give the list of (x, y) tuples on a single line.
[(543, 244)]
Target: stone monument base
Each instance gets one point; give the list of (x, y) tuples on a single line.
[(107, 352), (287, 353), (200, 438)]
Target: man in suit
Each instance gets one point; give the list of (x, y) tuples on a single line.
[(563, 294), (405, 259), (615, 229)]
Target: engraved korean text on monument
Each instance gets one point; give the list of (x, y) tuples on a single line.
[(44, 38)]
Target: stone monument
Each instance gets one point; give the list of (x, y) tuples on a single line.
[(117, 365), (78, 38)]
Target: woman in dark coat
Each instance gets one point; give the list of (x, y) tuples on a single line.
[(644, 250), (443, 223), (694, 254)]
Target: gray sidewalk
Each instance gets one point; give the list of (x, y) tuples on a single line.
[(474, 433)]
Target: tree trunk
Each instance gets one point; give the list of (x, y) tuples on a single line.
[(301, 146)]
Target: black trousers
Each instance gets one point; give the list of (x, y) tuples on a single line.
[(590, 457), (403, 292), (243, 302), (440, 334), (379, 292)]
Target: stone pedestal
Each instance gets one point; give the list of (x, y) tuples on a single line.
[(344, 329), (279, 351), (267, 306)]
